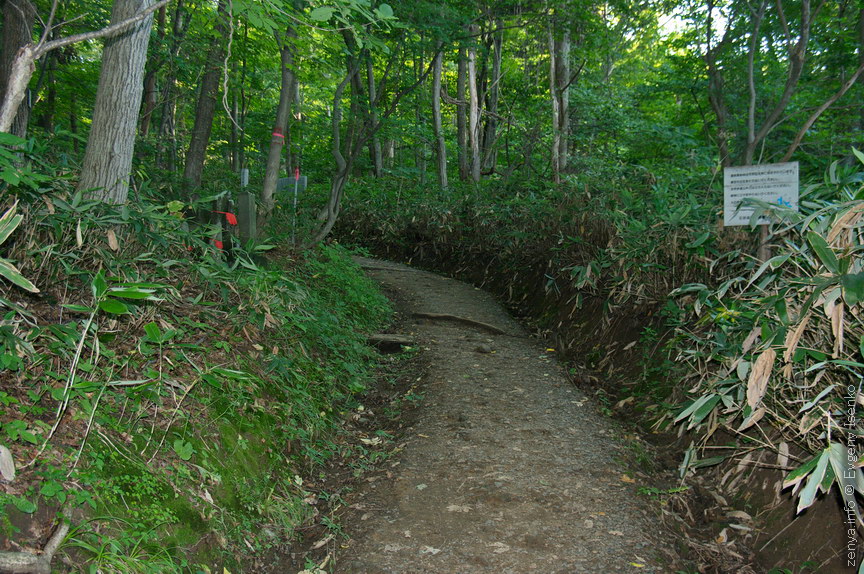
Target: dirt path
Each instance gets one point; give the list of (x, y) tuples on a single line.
[(508, 468)]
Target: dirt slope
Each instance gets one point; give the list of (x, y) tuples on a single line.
[(508, 468)]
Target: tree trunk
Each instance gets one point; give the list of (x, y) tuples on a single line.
[(108, 158), (150, 91), (18, 17), (206, 108), (374, 142), (490, 147), (280, 127), (167, 128), (562, 93), (440, 144), (462, 116), (473, 109), (556, 109), (420, 147)]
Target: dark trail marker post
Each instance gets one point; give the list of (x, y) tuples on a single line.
[(775, 183), (246, 210)]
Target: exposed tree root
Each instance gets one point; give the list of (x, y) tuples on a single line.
[(29, 563)]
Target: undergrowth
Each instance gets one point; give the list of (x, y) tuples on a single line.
[(771, 353), (183, 401)]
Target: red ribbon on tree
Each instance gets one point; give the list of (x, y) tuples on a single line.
[(296, 173)]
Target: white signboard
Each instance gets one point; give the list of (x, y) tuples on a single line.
[(772, 183)]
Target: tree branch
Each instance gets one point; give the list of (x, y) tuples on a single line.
[(820, 110)]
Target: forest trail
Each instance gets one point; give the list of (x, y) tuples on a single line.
[(508, 467)]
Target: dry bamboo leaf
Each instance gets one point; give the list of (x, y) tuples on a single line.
[(49, 204), (809, 421), (757, 384), (845, 222), (752, 419), (112, 240), (837, 327), (751, 338), (794, 337), (79, 236), (783, 455)]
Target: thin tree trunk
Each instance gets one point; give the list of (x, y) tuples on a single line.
[(562, 93), (150, 91), (556, 110), (108, 159), (462, 115), (441, 145), (421, 147), (374, 142), (167, 128), (280, 127), (473, 109), (206, 108), (18, 18), (490, 138)]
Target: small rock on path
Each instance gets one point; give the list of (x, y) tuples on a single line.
[(508, 468)]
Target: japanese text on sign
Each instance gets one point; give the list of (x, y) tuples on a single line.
[(773, 183)]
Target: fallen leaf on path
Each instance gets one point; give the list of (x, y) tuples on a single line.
[(616, 533), (407, 534), (458, 508), (422, 486), (322, 542), (637, 565), (500, 548), (430, 550), (626, 478)]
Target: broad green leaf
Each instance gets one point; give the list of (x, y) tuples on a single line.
[(818, 398), (692, 407), (858, 154), (797, 475), (77, 308), (384, 11), (823, 252), (814, 482), (23, 504), (11, 273), (9, 222), (853, 287), (130, 293), (321, 14), (154, 333), (113, 306), (99, 285)]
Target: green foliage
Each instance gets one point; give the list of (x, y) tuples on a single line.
[(779, 342), (178, 373)]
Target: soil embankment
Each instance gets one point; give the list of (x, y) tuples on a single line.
[(508, 468)]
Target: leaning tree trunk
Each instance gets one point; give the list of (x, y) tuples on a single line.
[(206, 108), (440, 144), (18, 17), (280, 127), (108, 158), (556, 107)]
